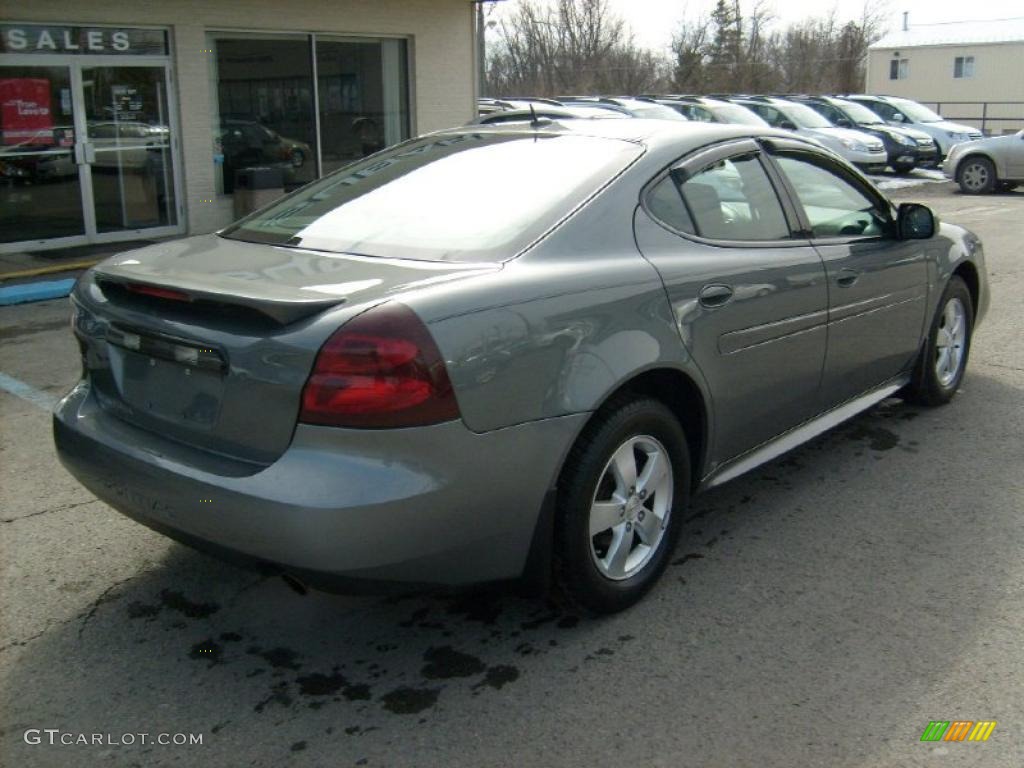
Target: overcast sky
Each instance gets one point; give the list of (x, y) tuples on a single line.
[(653, 21)]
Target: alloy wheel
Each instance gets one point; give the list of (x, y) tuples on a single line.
[(950, 341), (630, 509)]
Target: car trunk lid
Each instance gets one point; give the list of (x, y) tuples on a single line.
[(209, 341)]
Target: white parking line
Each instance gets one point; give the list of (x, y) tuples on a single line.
[(27, 392)]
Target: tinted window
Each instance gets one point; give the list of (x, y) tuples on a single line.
[(666, 204), (734, 200), (835, 207), (463, 197)]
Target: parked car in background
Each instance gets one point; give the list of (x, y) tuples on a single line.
[(629, 106), (987, 165), (905, 148), (247, 142), (906, 113), (486, 106), (545, 112), (702, 109), (392, 376), (863, 150)]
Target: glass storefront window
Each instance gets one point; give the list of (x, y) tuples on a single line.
[(363, 95), (265, 113)]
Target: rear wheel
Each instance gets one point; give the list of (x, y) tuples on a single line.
[(620, 500), (976, 176), (940, 368)]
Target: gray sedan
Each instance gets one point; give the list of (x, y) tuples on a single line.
[(987, 165), (395, 375)]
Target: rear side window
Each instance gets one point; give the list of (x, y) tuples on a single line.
[(730, 200), (463, 197), (834, 206)]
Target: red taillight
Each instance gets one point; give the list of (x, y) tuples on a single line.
[(160, 293), (382, 369)]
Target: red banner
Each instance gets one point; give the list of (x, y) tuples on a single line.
[(25, 116)]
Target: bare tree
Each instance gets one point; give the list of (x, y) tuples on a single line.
[(579, 46), (572, 46)]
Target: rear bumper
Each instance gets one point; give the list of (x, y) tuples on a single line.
[(432, 505)]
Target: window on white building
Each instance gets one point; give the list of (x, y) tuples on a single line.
[(963, 66), (899, 69)]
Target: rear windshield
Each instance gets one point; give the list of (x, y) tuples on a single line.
[(733, 113), (804, 116), (917, 112), (469, 197)]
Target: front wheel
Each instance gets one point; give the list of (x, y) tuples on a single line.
[(943, 360), (620, 498), (976, 176)]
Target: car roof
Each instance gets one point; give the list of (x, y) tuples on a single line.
[(683, 136)]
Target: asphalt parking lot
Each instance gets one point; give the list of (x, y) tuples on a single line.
[(818, 612)]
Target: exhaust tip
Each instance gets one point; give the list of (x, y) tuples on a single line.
[(295, 584)]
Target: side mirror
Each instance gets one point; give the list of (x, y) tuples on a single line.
[(842, 122), (788, 125), (916, 222)]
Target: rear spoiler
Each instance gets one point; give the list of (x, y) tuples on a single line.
[(282, 304)]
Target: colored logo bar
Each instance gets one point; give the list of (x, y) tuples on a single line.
[(958, 730)]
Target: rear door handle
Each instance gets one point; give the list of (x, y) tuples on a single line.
[(715, 295), (847, 277)]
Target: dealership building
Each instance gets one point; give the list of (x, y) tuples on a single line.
[(121, 121)]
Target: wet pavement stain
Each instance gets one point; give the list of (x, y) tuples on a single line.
[(279, 658), (483, 608), (230, 637), (686, 558), (880, 439), (207, 650), (298, 746), (445, 663), (174, 601), (137, 610), (319, 684), (498, 677), (278, 695), (410, 701)]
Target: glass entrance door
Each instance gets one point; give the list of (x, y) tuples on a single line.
[(86, 154), (40, 187), (128, 148)]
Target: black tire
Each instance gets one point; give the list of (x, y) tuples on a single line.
[(902, 170), (976, 175), (578, 580), (926, 387)]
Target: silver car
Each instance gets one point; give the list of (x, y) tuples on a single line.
[(987, 165), (398, 375)]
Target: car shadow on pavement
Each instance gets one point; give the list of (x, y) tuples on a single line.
[(818, 588)]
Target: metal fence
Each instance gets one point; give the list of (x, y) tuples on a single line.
[(992, 117)]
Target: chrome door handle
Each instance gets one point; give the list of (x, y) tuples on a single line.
[(715, 295), (847, 277)]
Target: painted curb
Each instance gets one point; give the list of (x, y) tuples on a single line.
[(37, 291)]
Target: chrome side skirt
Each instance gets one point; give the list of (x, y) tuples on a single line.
[(787, 441)]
